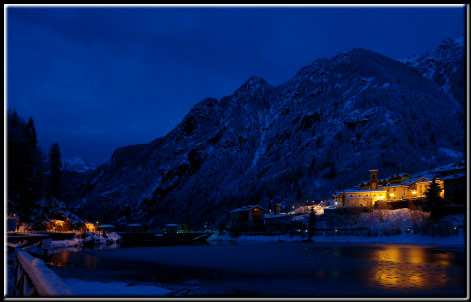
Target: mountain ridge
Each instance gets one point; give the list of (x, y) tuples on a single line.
[(302, 139)]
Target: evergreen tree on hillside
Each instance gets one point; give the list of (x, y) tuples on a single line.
[(23, 164), (434, 200), (55, 177), (14, 162), (433, 194), (312, 223), (32, 162)]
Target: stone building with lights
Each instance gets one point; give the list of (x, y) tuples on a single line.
[(247, 219), (275, 221), (403, 186)]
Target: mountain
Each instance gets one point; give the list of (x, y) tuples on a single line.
[(320, 131), (444, 65), (77, 164)]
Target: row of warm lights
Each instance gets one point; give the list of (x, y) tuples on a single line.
[(454, 228)]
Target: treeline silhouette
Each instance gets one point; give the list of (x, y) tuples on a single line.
[(32, 176)]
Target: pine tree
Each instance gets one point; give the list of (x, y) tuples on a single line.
[(433, 194), (24, 173), (32, 162), (434, 200), (312, 223), (55, 177), (14, 172)]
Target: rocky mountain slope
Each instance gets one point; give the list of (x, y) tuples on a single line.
[(444, 65), (316, 133)]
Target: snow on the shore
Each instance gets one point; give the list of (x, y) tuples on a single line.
[(396, 239), (93, 288), (96, 238)]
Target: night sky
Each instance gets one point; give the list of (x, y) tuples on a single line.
[(95, 79)]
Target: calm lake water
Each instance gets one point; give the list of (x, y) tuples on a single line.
[(279, 269)]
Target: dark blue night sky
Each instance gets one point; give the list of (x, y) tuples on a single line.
[(95, 79)]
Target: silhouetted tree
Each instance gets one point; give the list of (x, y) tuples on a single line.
[(127, 212), (434, 200), (312, 223), (55, 165), (32, 163), (23, 160), (15, 175)]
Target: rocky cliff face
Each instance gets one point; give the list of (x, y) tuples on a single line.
[(316, 133)]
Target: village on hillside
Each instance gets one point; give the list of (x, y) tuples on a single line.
[(399, 191), (343, 210)]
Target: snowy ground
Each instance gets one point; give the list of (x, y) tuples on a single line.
[(397, 239), (78, 242), (123, 289), (381, 221)]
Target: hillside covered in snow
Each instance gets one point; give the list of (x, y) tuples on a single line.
[(318, 132)]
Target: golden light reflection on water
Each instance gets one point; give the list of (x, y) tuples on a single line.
[(90, 262), (402, 268), (64, 259), (61, 259)]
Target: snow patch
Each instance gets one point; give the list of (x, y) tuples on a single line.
[(93, 288), (451, 153)]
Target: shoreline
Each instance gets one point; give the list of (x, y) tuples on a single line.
[(403, 239)]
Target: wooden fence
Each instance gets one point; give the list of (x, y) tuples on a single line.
[(47, 232), (55, 235)]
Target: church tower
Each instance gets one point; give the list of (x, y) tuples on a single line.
[(373, 179)]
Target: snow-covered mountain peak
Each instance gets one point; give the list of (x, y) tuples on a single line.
[(444, 65), (254, 84), (460, 41), (77, 164), (447, 49)]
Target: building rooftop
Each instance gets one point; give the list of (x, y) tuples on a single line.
[(106, 226), (277, 216), (394, 185), (247, 208), (363, 190)]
